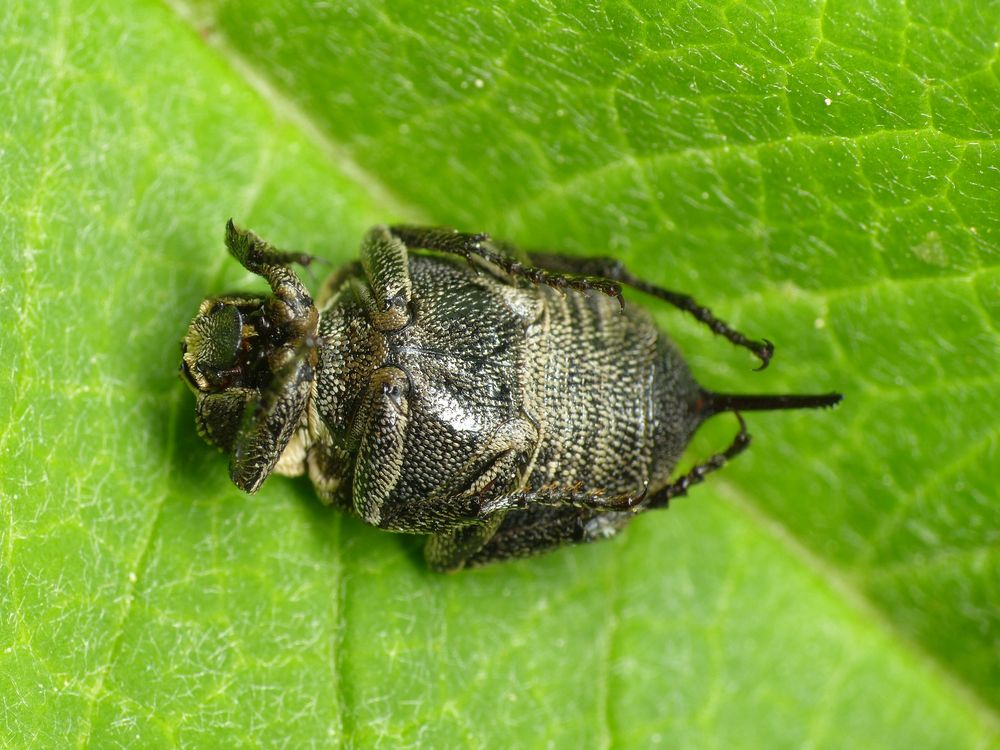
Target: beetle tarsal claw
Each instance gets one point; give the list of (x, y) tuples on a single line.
[(764, 350)]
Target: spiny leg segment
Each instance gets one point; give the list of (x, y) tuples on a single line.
[(606, 275)]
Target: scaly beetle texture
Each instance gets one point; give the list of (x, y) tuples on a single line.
[(504, 403)]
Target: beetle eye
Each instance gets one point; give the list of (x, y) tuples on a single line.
[(213, 340), (224, 331)]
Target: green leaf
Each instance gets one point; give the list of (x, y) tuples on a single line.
[(822, 173)]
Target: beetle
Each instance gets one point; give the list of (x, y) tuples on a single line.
[(449, 385)]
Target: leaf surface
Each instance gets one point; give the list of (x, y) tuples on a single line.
[(824, 174)]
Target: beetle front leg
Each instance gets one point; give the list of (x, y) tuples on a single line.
[(294, 305), (330, 467), (268, 423), (534, 530)]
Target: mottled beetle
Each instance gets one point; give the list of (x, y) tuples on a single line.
[(484, 399)]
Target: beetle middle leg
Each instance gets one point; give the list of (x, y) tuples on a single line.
[(379, 430), (384, 259)]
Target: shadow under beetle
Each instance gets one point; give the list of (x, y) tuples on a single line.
[(471, 392)]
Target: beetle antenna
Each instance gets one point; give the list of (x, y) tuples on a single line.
[(710, 403)]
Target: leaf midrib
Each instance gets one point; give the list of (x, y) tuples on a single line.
[(844, 585)]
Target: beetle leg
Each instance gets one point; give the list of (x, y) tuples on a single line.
[(606, 275), (539, 529), (447, 551), (567, 497), (470, 246), (330, 468), (528, 523), (268, 423), (540, 520), (335, 281), (615, 270), (384, 258), (661, 498), (255, 254), (492, 469), (380, 428), (294, 304)]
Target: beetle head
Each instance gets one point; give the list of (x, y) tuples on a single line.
[(227, 355), (228, 345)]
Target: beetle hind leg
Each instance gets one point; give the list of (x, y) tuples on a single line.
[(539, 521), (449, 551), (661, 498), (504, 256), (615, 270), (562, 272), (532, 531), (531, 522)]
